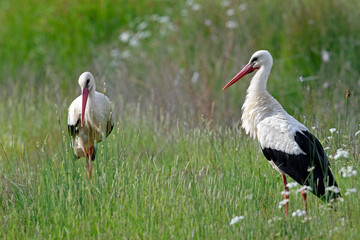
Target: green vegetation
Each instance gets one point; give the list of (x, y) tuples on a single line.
[(162, 180), (177, 164)]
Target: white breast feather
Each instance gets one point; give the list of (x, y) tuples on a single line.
[(263, 117), (74, 111), (98, 114)]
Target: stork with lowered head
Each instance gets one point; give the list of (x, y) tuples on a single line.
[(90, 120)]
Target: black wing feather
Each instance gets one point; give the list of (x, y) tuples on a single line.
[(109, 128), (74, 129), (297, 165)]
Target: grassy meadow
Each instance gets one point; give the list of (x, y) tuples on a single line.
[(177, 164)]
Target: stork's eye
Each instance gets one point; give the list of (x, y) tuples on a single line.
[(87, 82), (254, 59)]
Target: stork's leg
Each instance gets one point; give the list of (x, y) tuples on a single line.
[(286, 193), (91, 151), (304, 195), (88, 166)]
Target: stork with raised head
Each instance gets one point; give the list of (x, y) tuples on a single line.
[(90, 120), (288, 145)]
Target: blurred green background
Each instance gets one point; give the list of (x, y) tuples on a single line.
[(174, 57)]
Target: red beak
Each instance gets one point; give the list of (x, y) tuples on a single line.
[(247, 69), (85, 94)]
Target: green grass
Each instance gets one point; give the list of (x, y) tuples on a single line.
[(177, 164), (162, 180)]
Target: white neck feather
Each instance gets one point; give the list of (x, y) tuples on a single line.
[(258, 102), (258, 82)]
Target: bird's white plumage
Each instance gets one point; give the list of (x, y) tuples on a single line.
[(264, 118), (290, 148), (74, 112), (277, 132), (97, 120)]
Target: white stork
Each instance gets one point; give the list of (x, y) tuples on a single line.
[(89, 120), (288, 145)]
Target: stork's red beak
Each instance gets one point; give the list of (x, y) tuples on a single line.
[(247, 69), (85, 94)]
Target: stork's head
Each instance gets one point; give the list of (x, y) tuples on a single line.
[(259, 59), (87, 84), (86, 81)]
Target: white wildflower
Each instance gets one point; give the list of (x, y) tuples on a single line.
[(134, 42), (143, 34), (196, 7), (283, 202), (115, 53), (163, 19), (249, 196), (195, 77), (325, 56), (342, 221), (154, 17), (298, 213), (326, 85), (348, 171), (286, 193), (274, 219), (142, 26), (329, 137), (189, 2), (334, 189), (304, 189), (243, 7), (350, 191), (358, 132), (332, 130), (325, 207), (226, 3), (231, 24), (310, 169), (236, 219), (313, 128), (292, 184), (306, 219), (207, 22), (327, 148), (172, 27), (125, 54), (230, 12), (341, 153), (124, 37)]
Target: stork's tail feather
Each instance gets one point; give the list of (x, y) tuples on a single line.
[(328, 189)]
